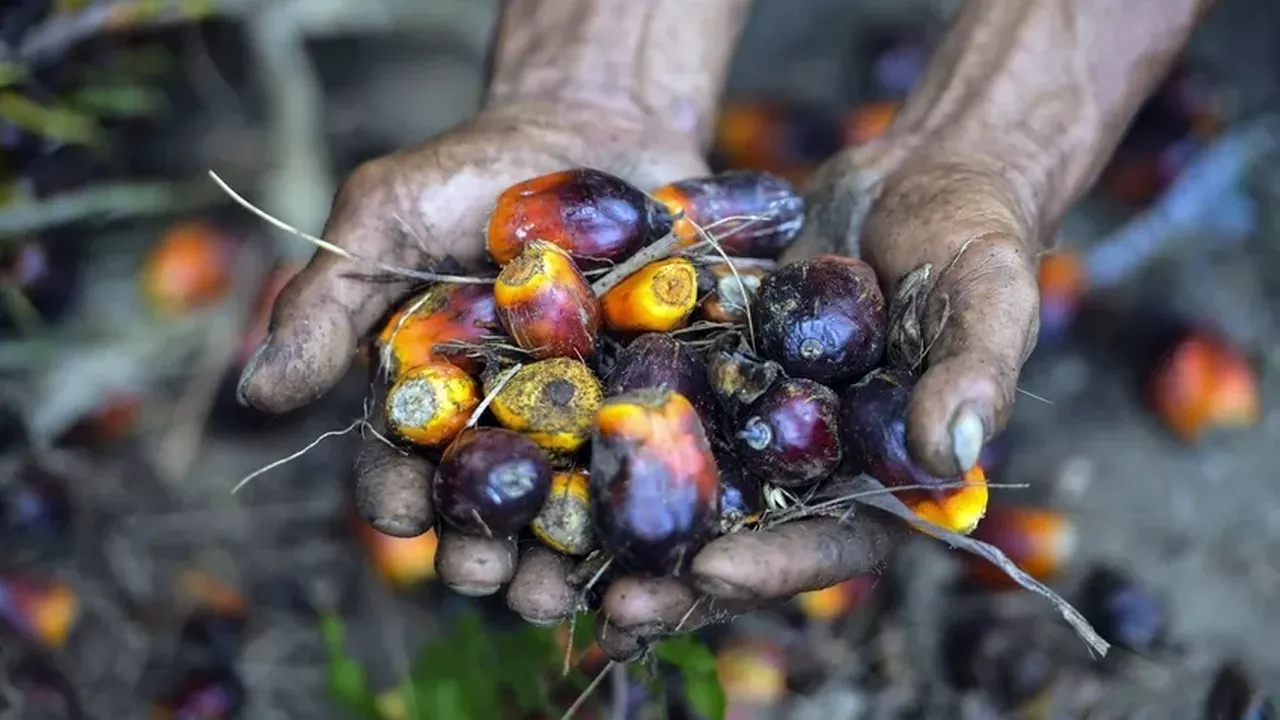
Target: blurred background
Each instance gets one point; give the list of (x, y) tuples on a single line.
[(133, 583)]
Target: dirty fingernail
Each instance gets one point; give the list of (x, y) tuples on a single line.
[(250, 368), (542, 622), (966, 437), (475, 590)]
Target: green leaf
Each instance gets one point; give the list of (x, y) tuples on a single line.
[(348, 683), (54, 123), (697, 664), (11, 73), (119, 101)]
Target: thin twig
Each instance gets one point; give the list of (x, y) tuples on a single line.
[(290, 458), (577, 704), (500, 383), (340, 252), (659, 250)]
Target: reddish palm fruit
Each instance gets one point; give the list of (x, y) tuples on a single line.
[(553, 402), (1123, 611), (1234, 695), (836, 601), (1062, 287), (753, 674), (791, 435), (190, 267), (821, 319), (868, 122), (211, 694), (197, 588), (400, 561), (654, 482), (491, 482), (431, 404), (656, 298), (1203, 383), (741, 494), (564, 524), (43, 610), (35, 509), (1038, 540), (114, 419), (749, 213), (659, 361), (873, 424), (595, 217), (1009, 660), (546, 305), (726, 302), (444, 312)]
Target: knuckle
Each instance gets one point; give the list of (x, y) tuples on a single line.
[(366, 186)]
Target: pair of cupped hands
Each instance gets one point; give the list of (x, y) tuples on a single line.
[(897, 202)]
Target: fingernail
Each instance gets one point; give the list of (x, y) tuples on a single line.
[(399, 527), (475, 590), (967, 434), (719, 588), (250, 368)]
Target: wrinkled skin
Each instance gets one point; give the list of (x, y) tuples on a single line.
[(431, 201)]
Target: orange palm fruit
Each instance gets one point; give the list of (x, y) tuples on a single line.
[(564, 524), (431, 404), (836, 601), (659, 297), (1038, 540), (597, 218), (400, 561), (546, 304), (190, 267), (444, 312), (868, 122), (726, 301), (43, 610), (1203, 383), (1063, 283), (749, 213), (554, 402)]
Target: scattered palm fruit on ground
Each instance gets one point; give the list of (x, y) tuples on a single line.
[(213, 694), (1235, 695), (43, 609), (1203, 383), (41, 274), (114, 419), (35, 510), (1038, 540), (1123, 610), (1007, 659), (753, 673), (837, 601), (787, 139), (1063, 283), (868, 122), (190, 267), (402, 562)]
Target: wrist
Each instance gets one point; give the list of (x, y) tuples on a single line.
[(660, 63)]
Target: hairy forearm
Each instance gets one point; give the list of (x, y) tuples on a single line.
[(665, 59), (1044, 89)]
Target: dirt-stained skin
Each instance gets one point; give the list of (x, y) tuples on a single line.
[(1019, 108)]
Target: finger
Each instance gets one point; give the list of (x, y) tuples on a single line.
[(393, 484), (472, 565), (325, 309), (640, 611), (794, 557), (986, 316), (540, 592), (982, 313)]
